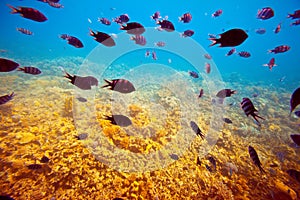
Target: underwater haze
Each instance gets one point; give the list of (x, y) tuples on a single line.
[(149, 100)]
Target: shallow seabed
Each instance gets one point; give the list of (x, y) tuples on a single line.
[(41, 121)]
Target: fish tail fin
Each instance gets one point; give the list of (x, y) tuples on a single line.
[(12, 94), (13, 9), (234, 92), (68, 76), (270, 51), (107, 85), (255, 116), (21, 69), (214, 41), (92, 33)]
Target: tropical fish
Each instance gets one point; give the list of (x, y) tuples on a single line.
[(44, 159), (296, 138), (187, 33), (201, 92), (295, 15), (133, 28), (24, 31), (7, 65), (124, 18), (254, 158), (217, 13), (208, 168), (156, 16), (81, 99), (280, 49), (244, 54), (104, 21), (81, 136), (230, 38), (154, 56), (249, 109), (294, 174), (54, 4), (160, 44), (207, 68), (103, 38), (166, 25), (119, 120), (271, 64), (278, 28), (265, 13), (4, 99), (295, 100), (196, 129), (225, 93), (30, 70), (34, 166), (260, 31), (213, 162), (230, 52), (29, 13), (193, 74), (120, 85), (186, 18), (174, 156), (139, 39), (207, 56), (227, 120), (296, 23), (82, 82)]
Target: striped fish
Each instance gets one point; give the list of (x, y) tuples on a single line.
[(4, 99), (7, 65), (196, 129), (249, 109), (30, 70), (186, 18), (254, 157), (24, 31), (265, 13)]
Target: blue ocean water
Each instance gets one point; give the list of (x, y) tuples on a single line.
[(247, 75)]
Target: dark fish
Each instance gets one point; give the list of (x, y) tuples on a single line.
[(119, 120), (185, 18), (294, 174), (249, 109), (45, 1), (265, 13), (208, 168), (166, 25), (201, 92), (44, 159), (280, 49), (296, 23), (7, 65), (81, 136), (196, 129), (213, 162), (29, 13), (207, 68), (6, 197), (225, 93), (244, 54), (4, 99), (54, 4), (217, 13), (295, 100), (278, 28), (118, 198), (174, 156), (260, 31), (226, 120), (193, 74), (254, 157), (34, 166), (104, 21), (187, 33), (24, 31), (139, 39), (295, 15), (30, 70), (212, 36), (82, 82), (103, 38), (72, 40), (296, 138), (271, 64), (231, 38), (156, 15), (297, 113), (133, 28), (207, 56), (154, 56), (121, 19), (160, 44), (230, 52), (81, 99), (119, 85)]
